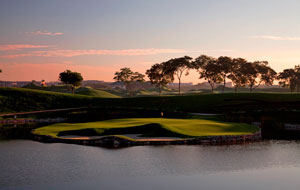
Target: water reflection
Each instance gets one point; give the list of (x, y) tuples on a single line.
[(33, 165)]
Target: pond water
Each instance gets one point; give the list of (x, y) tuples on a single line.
[(26, 164)]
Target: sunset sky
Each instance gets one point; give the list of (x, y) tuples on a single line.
[(39, 39)]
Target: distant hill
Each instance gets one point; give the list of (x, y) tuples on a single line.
[(82, 90)]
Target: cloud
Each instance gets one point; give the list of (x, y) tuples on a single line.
[(50, 71), (278, 38), (46, 33), (73, 53), (12, 47)]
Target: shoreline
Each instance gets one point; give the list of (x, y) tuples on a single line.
[(120, 141)]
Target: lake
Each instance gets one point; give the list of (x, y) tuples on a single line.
[(31, 165)]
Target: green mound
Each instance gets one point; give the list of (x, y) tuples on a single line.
[(93, 92), (149, 127), (88, 91)]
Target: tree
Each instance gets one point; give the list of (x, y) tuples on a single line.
[(251, 72), (288, 78), (43, 82), (71, 78), (200, 61), (135, 79), (158, 76), (177, 66), (225, 66), (208, 69), (297, 73), (128, 77), (124, 76), (238, 73), (259, 73)]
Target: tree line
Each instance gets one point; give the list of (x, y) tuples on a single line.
[(214, 70), (239, 71)]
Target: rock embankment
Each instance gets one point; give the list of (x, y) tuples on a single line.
[(116, 141)]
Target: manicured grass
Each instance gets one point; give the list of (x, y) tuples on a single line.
[(155, 127), (94, 92), (81, 91), (22, 100)]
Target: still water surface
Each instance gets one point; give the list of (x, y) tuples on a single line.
[(32, 165)]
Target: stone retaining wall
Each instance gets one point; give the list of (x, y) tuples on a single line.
[(115, 141)]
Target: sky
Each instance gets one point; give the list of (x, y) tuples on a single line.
[(40, 39)]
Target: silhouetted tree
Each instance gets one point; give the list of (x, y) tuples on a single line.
[(124, 76), (225, 66), (43, 83), (251, 72), (297, 73), (200, 61), (288, 78), (177, 66), (135, 79), (238, 73), (127, 77), (259, 73), (208, 69), (71, 78), (159, 76)]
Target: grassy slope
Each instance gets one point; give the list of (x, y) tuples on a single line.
[(93, 92), (82, 90), (166, 127), (145, 92), (16, 100)]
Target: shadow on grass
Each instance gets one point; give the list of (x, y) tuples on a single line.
[(147, 130)]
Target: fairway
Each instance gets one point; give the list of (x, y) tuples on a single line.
[(149, 127)]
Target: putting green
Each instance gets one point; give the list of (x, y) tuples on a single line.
[(149, 127)]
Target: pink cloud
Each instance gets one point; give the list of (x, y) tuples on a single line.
[(11, 47), (73, 53), (270, 37), (46, 33), (50, 71)]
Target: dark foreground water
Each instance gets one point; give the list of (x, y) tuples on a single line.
[(32, 165)]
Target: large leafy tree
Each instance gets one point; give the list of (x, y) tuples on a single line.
[(177, 67), (259, 73), (297, 73), (129, 77), (200, 61), (251, 72), (208, 70), (159, 76), (124, 76), (238, 73), (289, 78), (225, 66), (71, 78)]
